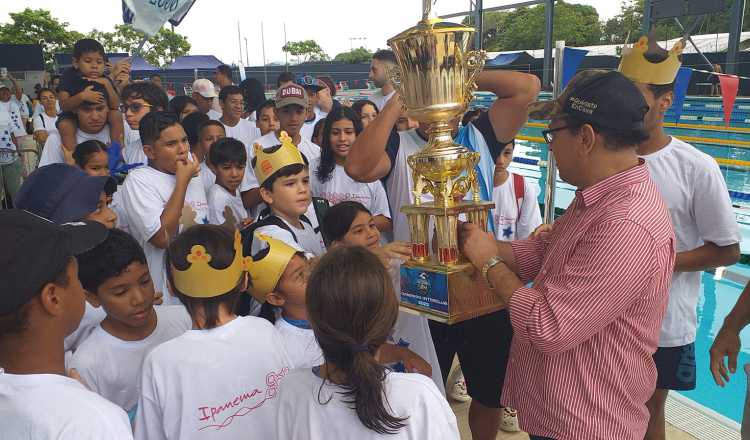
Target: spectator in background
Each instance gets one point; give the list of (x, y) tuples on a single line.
[(182, 106), (714, 80), (223, 76), (44, 120), (381, 60), (54, 82), (156, 80), (11, 130), (204, 95), (284, 79), (254, 94), (366, 110)]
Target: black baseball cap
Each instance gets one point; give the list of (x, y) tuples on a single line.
[(605, 98), (35, 251), (62, 193)]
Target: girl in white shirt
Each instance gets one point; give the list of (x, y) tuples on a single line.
[(221, 379), (329, 180), (352, 310), (351, 224)]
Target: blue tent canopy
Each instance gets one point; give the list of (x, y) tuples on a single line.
[(190, 62), (510, 59)]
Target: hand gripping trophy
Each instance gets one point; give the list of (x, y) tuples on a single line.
[(436, 77)]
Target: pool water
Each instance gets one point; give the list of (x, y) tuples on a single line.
[(718, 297), (717, 300)]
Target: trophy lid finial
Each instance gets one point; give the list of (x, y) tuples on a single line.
[(427, 13)]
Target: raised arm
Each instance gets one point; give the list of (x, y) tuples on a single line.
[(514, 91), (367, 160)]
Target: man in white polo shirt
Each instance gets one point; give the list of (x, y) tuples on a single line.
[(92, 124), (381, 61)]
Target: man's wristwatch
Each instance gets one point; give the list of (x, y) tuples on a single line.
[(492, 262)]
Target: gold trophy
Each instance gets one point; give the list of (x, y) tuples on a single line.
[(436, 77)]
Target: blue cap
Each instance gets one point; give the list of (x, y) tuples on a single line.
[(62, 193)]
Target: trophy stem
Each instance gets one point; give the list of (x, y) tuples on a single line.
[(440, 135)]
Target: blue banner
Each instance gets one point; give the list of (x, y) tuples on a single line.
[(681, 84), (572, 58)]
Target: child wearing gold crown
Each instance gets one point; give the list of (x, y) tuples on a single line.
[(696, 195), (284, 178), (279, 276), (222, 377)]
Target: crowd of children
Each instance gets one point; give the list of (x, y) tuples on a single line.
[(235, 274)]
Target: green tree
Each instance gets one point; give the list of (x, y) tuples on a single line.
[(354, 56), (38, 26), (159, 50), (524, 28), (309, 50)]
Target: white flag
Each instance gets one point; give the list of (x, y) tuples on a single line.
[(149, 15)]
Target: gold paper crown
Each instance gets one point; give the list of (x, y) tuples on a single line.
[(200, 280), (266, 272), (268, 163), (635, 66)]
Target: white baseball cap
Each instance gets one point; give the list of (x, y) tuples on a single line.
[(204, 87)]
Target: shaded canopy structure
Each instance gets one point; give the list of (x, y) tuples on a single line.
[(190, 62)]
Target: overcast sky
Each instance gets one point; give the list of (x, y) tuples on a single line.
[(211, 25)]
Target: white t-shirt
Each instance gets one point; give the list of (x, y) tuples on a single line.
[(300, 344), (111, 367), (308, 241), (245, 132), (214, 114), (220, 383), (42, 121), (144, 194), (310, 409), (308, 128), (381, 100), (119, 208), (132, 151), (55, 407), (508, 225), (341, 188), (53, 153), (23, 104), (399, 183), (92, 317), (218, 199), (696, 195)]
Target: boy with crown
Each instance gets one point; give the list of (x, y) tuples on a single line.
[(696, 195), (284, 179)]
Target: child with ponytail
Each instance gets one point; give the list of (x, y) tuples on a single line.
[(352, 310)]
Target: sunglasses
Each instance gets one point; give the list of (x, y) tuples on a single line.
[(549, 134), (134, 107)]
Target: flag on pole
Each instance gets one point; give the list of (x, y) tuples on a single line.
[(729, 86), (681, 83), (148, 16)]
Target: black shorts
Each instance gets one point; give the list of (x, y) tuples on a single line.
[(483, 347), (675, 367)]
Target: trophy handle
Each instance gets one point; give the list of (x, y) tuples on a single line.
[(393, 74), (474, 64)]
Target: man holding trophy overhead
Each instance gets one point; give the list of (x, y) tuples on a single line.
[(427, 176)]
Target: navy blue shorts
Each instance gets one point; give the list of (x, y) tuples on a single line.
[(675, 367)]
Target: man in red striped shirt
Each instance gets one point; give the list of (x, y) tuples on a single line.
[(581, 362)]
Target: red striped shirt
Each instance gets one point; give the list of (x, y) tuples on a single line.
[(580, 365)]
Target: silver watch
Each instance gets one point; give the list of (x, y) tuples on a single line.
[(492, 262)]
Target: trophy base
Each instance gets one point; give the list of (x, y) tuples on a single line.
[(448, 294)]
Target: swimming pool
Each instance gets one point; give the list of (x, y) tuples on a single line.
[(718, 296)]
